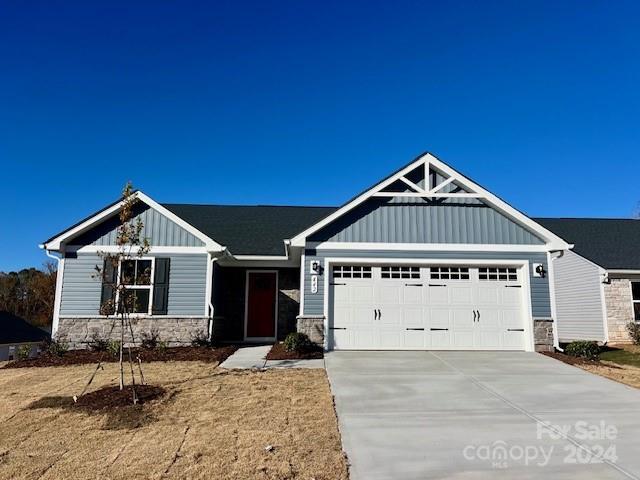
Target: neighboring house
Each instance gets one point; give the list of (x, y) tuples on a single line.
[(424, 259), (598, 282), (16, 332)]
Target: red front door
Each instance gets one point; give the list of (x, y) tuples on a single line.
[(261, 304)]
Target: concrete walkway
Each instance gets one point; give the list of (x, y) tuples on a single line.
[(254, 357), (474, 415)]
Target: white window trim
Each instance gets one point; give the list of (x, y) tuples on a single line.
[(150, 287), (634, 301), (246, 307), (527, 310), (553, 242)]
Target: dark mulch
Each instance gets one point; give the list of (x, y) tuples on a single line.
[(81, 357), (278, 352), (113, 397), (574, 360)]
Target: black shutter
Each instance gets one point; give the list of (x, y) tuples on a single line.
[(107, 297), (161, 287)]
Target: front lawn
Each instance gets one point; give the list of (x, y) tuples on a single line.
[(207, 423), (627, 355)]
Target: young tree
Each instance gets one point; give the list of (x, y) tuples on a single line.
[(121, 271)]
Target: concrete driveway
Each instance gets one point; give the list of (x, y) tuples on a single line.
[(419, 415)]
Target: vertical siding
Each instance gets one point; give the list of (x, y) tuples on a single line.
[(419, 221), (187, 285), (157, 228), (579, 302), (540, 299)]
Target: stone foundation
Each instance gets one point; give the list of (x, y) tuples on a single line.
[(313, 326), (543, 334), (79, 332), (617, 295)]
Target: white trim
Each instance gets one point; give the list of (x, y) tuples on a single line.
[(132, 249), (56, 243), (453, 247), (58, 295), (523, 264), (552, 297), (426, 195), (262, 257), (603, 306), (624, 272), (208, 285), (633, 302), (138, 315), (246, 308), (303, 259), (553, 241)]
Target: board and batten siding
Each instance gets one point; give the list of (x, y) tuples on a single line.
[(161, 231), (540, 298), (579, 298), (400, 220), (187, 285)]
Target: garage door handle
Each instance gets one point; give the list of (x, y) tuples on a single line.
[(513, 286), (438, 329), (334, 283), (420, 329), (515, 329), (436, 285), (413, 284), (337, 328), (475, 316)]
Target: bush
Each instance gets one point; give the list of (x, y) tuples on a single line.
[(634, 332), (23, 352), (200, 339), (113, 348), (98, 344), (56, 347), (583, 349), (162, 346), (298, 342), (150, 339)]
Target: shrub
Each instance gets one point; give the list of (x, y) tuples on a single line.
[(583, 349), (162, 346), (23, 352), (200, 339), (113, 348), (150, 339), (57, 347), (297, 342), (634, 332), (98, 344)]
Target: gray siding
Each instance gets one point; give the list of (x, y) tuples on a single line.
[(578, 292), (415, 220), (187, 285), (540, 299), (160, 231)]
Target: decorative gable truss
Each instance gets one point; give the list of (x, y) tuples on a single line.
[(429, 180)]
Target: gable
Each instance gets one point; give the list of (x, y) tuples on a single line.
[(427, 202), (160, 230)]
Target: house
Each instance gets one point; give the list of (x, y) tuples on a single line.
[(424, 259), (597, 283), (16, 333)]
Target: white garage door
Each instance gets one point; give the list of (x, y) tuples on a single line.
[(417, 308)]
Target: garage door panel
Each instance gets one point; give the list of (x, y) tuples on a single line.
[(414, 339), (414, 316), (462, 339), (488, 295), (362, 315), (390, 315), (412, 295), (440, 339), (511, 296), (513, 340), (438, 295), (362, 294), (490, 318), (390, 338), (512, 318), (462, 319), (460, 295)]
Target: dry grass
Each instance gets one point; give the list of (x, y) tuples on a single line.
[(212, 424), (620, 373)]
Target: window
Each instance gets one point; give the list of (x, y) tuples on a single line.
[(400, 272), (136, 276), (635, 293), (347, 271), (498, 274), (449, 273)]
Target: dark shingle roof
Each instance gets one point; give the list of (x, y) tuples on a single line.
[(15, 330), (611, 243), (250, 230)]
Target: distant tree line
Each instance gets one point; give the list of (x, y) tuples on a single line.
[(30, 293)]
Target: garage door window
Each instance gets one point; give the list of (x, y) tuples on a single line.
[(498, 274), (400, 272), (449, 273), (351, 271)]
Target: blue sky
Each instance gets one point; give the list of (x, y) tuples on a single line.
[(307, 103)]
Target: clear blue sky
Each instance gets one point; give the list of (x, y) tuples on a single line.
[(294, 102)]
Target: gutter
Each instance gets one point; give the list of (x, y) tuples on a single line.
[(552, 289)]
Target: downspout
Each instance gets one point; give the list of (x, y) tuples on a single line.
[(57, 298), (211, 307), (552, 279)]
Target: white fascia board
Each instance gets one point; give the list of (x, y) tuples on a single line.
[(553, 242), (56, 243), (623, 272), (133, 249), (442, 247)]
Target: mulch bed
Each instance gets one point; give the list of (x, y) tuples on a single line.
[(113, 397), (81, 357), (575, 360), (278, 352)]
